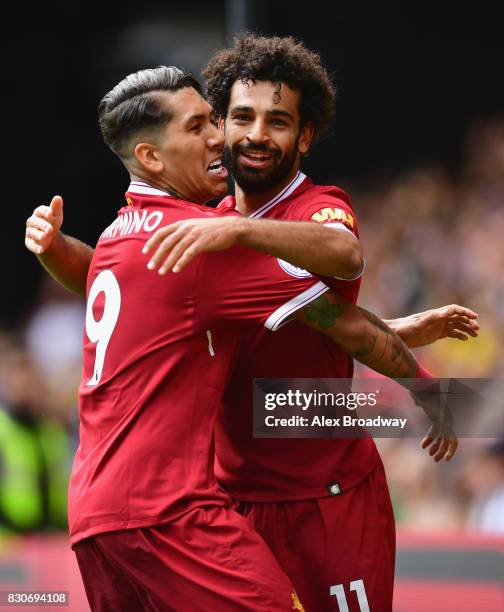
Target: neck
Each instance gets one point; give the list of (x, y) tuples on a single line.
[(158, 183), (248, 203)]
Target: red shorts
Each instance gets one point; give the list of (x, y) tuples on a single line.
[(338, 551), (210, 559)]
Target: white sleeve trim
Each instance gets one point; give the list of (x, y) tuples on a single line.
[(339, 225), (282, 315)]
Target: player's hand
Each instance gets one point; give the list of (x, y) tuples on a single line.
[(178, 244), (443, 443), (43, 226), (424, 328), (441, 439)]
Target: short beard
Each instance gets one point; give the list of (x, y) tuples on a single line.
[(253, 181)]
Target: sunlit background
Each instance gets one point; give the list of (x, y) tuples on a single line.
[(418, 142)]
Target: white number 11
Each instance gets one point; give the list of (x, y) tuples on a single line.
[(356, 585)]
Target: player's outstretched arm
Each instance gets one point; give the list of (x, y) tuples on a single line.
[(312, 246), (362, 334), (372, 342), (426, 327), (65, 258)]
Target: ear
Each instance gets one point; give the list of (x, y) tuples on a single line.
[(149, 158), (305, 138), (221, 122)]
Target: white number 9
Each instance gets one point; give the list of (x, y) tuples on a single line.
[(101, 331)]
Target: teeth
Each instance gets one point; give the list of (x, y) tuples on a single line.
[(260, 157), (215, 164)]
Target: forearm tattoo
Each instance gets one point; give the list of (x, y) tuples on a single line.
[(383, 349), (395, 349), (402, 356), (323, 312), (363, 352)]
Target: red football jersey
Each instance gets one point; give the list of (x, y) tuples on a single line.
[(157, 352), (290, 469)]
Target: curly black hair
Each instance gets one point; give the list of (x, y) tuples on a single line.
[(280, 60)]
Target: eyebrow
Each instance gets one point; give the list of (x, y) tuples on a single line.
[(275, 112), (198, 117)]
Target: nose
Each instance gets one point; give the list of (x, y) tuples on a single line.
[(257, 133), (216, 138)]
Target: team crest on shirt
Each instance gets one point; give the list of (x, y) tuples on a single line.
[(327, 214), (296, 604), (293, 270)]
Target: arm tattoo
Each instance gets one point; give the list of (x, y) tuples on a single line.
[(364, 351), (383, 353), (324, 313), (400, 355), (382, 349), (396, 350), (375, 320)]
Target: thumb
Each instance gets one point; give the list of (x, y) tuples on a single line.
[(56, 206)]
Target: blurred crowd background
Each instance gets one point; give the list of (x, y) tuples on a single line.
[(432, 236), (418, 143)]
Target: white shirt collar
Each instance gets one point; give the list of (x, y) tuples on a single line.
[(145, 189), (285, 193)]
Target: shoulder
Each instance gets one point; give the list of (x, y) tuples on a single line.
[(330, 195), (323, 204)]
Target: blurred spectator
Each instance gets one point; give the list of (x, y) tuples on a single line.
[(53, 336), (35, 449), (418, 489), (484, 478)]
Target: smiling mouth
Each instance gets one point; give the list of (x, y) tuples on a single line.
[(216, 168), (255, 159)]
